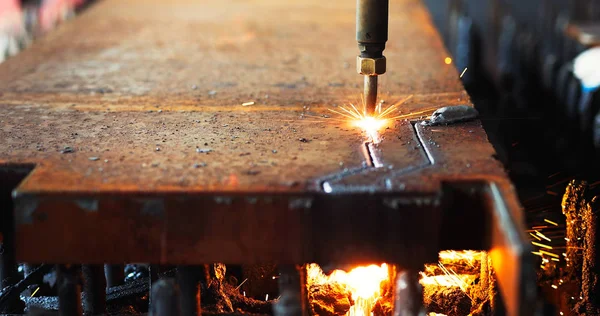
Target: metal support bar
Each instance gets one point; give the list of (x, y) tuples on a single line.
[(165, 298), (8, 264), (409, 295), (152, 278), (27, 270), (188, 279), (292, 288), (115, 274), (69, 290), (9, 180), (94, 286)]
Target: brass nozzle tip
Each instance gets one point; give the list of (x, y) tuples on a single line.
[(370, 95)]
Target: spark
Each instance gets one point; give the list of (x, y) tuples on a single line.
[(248, 103), (541, 245), (238, 287), (554, 286), (448, 60), (534, 236), (455, 279), (549, 254), (372, 124), (36, 290), (463, 72), (550, 222), (543, 236), (267, 297), (355, 109)]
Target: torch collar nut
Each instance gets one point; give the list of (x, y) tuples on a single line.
[(370, 66)]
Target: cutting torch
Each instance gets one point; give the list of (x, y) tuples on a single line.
[(371, 35)]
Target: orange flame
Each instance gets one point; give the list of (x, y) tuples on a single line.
[(363, 282)]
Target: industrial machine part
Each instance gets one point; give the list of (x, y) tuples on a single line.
[(371, 35), (527, 49), (138, 152)]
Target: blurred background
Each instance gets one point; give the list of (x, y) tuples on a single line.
[(533, 72), (22, 21)]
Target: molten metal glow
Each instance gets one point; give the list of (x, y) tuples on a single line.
[(459, 280), (371, 126), (448, 276), (363, 282), (471, 256)]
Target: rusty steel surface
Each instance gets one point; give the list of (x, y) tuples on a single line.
[(168, 166)]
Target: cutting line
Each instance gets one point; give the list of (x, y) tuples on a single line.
[(422, 142), (375, 159), (374, 162)]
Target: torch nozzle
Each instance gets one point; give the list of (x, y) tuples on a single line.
[(370, 95)]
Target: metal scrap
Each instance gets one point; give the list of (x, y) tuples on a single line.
[(203, 150), (11, 293), (452, 114), (67, 150)]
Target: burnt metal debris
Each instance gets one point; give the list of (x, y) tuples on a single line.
[(9, 296), (438, 187), (579, 280), (452, 114)]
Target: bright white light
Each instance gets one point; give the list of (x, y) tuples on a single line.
[(371, 126), (587, 68)]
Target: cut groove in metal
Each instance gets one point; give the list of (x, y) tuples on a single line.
[(372, 157), (367, 153), (421, 140)]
